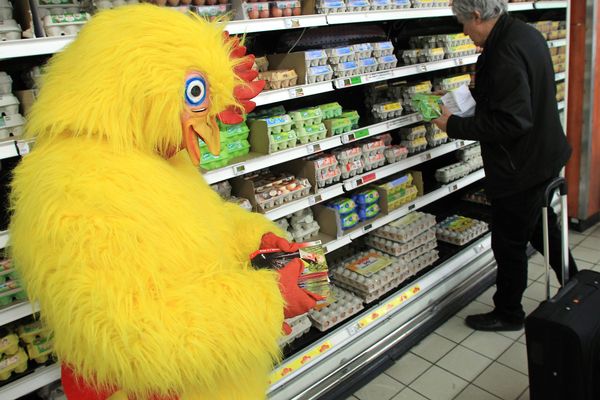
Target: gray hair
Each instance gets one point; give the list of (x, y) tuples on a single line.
[(489, 9)]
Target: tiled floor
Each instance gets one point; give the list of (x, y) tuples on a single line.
[(458, 363)]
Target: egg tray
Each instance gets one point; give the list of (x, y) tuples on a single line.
[(5, 84), (41, 350), (474, 164), (460, 51), (373, 147), (410, 57), (430, 3), (387, 110), (468, 152), (331, 110), (276, 124), (314, 58), (279, 79), (396, 153), (305, 231), (349, 154), (345, 306), (459, 230), (403, 230), (282, 141), (400, 248), (348, 68), (397, 250), (352, 168), (64, 24), (387, 62), (264, 205), (6, 12), (338, 55), (306, 117), (361, 284), (300, 325), (9, 345), (368, 65), (108, 4), (320, 73), (363, 50), (14, 363), (452, 172), (372, 296), (413, 133), (329, 177), (437, 140), (9, 30), (382, 49), (415, 146), (357, 5), (311, 133)]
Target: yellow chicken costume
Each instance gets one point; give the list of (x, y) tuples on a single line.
[(140, 269)]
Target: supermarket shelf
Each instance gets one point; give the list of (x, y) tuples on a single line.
[(560, 76), (402, 211), (402, 165), (33, 47), (292, 207), (3, 239), (386, 15), (334, 358), (13, 148), (561, 105), (17, 311), (524, 6), (279, 95), (557, 43), (539, 5), (408, 70), (276, 24), (381, 127), (30, 383)]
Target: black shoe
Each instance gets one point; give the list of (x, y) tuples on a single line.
[(492, 322)]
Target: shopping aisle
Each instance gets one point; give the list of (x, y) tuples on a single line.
[(458, 363)]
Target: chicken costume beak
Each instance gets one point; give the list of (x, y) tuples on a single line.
[(200, 127)]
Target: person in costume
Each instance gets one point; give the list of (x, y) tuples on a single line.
[(141, 271)]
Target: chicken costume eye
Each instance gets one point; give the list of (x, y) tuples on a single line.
[(195, 91)]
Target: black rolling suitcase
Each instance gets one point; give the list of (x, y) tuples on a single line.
[(563, 333)]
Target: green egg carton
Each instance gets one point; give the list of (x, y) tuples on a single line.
[(278, 124), (311, 133), (8, 297), (337, 126), (282, 141), (209, 161), (353, 117), (307, 116), (267, 112), (233, 132), (331, 110), (236, 148)]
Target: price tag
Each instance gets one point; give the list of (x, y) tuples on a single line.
[(368, 178), (453, 188), (357, 183), (460, 143), (317, 198), (478, 249), (314, 148), (22, 148), (394, 124), (459, 61), (411, 207), (292, 23), (239, 169), (361, 134), (296, 92), (426, 157), (380, 76), (422, 68), (353, 329), (367, 228)]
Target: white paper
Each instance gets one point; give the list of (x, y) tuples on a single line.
[(460, 102)]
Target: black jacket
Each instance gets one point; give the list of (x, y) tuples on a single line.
[(516, 118)]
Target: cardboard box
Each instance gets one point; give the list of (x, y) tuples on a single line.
[(24, 17), (330, 222), (383, 193), (294, 61), (26, 98)]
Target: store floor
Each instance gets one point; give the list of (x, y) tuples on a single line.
[(458, 363)]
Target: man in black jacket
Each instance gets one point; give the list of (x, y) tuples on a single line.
[(522, 143)]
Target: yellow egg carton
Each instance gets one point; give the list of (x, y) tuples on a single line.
[(9, 345), (14, 363), (41, 350), (32, 332)]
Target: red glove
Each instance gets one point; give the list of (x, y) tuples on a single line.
[(272, 241)]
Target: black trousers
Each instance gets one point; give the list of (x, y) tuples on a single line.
[(516, 221)]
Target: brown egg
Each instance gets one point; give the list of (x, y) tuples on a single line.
[(276, 12), (263, 14), (173, 2), (253, 14), (297, 11), (287, 12)]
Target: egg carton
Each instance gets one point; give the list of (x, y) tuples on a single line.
[(352, 168), (339, 55), (424, 261), (353, 116), (9, 345), (345, 306), (11, 126), (387, 110), (327, 178), (303, 233), (368, 65), (415, 146), (376, 294), (65, 24), (108, 4), (357, 5), (460, 51), (311, 133), (397, 185), (11, 292), (41, 350), (430, 3), (395, 153), (453, 40), (403, 230), (348, 154), (6, 11), (300, 325), (319, 73), (347, 68), (413, 132), (373, 161), (422, 87), (279, 124), (382, 49), (282, 223), (454, 82), (430, 55), (301, 218), (274, 200), (331, 6), (474, 163), (423, 42), (379, 5), (5, 84), (478, 197), (314, 58), (282, 141), (9, 30), (373, 147), (307, 116), (409, 194), (468, 152), (32, 332), (9, 105), (279, 79), (360, 282), (459, 230), (437, 139), (15, 363), (337, 126), (331, 110), (411, 56), (387, 62), (362, 50), (241, 202), (398, 248), (452, 172), (323, 162), (396, 4)]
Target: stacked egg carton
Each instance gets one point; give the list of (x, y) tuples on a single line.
[(384, 53), (327, 169), (272, 190), (430, 3), (459, 230), (384, 101), (350, 160), (224, 190), (395, 153), (369, 287), (336, 121), (373, 153), (343, 61), (11, 290), (422, 49), (471, 155), (38, 341), (63, 19), (308, 125), (435, 136), (411, 249), (13, 358), (398, 191), (302, 225), (330, 6), (346, 305), (9, 28), (11, 121), (452, 82), (413, 138), (234, 143), (387, 109), (470, 160), (300, 325), (478, 196), (317, 68), (279, 130), (409, 91)]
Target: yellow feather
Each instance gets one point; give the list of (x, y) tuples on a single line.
[(141, 270)]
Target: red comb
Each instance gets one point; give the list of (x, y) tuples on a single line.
[(248, 89)]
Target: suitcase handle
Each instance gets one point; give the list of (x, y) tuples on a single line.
[(560, 184)]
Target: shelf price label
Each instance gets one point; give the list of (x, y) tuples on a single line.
[(453, 188), (314, 148), (356, 135), (459, 61), (353, 329), (369, 177), (317, 198), (460, 143), (292, 23), (239, 169), (22, 148), (388, 307), (421, 68), (296, 92), (354, 80), (380, 76), (367, 228), (299, 361), (394, 124), (426, 157)]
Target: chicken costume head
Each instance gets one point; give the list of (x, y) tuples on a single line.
[(140, 269)]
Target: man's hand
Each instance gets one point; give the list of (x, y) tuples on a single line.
[(442, 122)]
